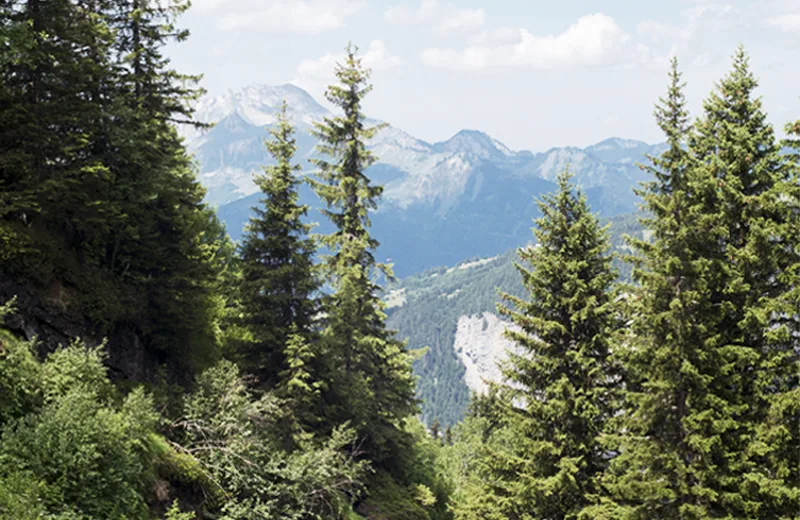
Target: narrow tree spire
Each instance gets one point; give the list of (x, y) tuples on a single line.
[(369, 371), (559, 385), (278, 282)]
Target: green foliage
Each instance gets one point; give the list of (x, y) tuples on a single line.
[(76, 451), (174, 513), (711, 347), (99, 203), (76, 367), (241, 441), (425, 309), (366, 369), (388, 500), (277, 284), (420, 485), (101, 212), (546, 460), (20, 374)]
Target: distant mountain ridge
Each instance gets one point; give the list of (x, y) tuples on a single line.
[(469, 195)]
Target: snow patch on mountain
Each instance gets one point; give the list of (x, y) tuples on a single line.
[(258, 105), (616, 143)]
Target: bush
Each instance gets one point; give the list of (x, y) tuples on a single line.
[(20, 376), (241, 441), (76, 455)]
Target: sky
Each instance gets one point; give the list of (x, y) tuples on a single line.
[(533, 74)]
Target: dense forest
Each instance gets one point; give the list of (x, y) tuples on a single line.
[(151, 368)]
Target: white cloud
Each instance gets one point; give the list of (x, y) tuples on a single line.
[(702, 18), (441, 17), (403, 14), (786, 22), (315, 74), (593, 40), (497, 36), (461, 19), (284, 16), (690, 39)]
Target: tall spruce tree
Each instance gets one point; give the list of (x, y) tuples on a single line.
[(774, 477), (663, 354), (278, 281), (51, 124), (707, 344), (558, 383), (369, 374), (755, 207)]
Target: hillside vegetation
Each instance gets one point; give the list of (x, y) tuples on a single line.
[(152, 369)]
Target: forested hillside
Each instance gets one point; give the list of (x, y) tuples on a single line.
[(426, 308), (151, 368)]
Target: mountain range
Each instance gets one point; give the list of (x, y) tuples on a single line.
[(443, 202)]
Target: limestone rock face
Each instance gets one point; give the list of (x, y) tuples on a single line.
[(481, 345)]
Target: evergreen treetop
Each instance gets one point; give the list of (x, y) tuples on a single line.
[(278, 283), (706, 318), (369, 374), (559, 386)]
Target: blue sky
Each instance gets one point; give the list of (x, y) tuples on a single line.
[(533, 74)]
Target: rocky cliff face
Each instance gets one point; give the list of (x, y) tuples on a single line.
[(481, 345)]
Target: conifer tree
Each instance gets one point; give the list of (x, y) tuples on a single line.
[(278, 282), (663, 378), (775, 472), (369, 372), (93, 177), (755, 208), (558, 387), (52, 120), (706, 345)]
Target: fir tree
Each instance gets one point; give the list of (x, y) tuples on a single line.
[(369, 373), (92, 176), (558, 388), (278, 282), (52, 119), (298, 384), (754, 211)]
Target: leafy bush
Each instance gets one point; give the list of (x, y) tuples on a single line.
[(19, 375), (77, 455), (243, 444)]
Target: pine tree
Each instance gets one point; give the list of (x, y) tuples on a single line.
[(558, 387), (297, 382), (98, 193), (369, 373), (278, 283), (755, 207), (53, 115)]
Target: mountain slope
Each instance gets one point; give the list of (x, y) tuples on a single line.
[(452, 310)]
